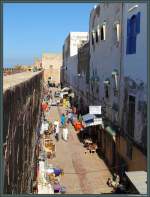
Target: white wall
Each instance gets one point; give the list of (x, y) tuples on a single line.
[(107, 54)]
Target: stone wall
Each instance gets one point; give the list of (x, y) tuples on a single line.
[(51, 62), (21, 106)]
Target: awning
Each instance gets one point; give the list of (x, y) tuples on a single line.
[(107, 82), (96, 121), (71, 95), (64, 93), (65, 89), (139, 180), (88, 117), (92, 120), (114, 72), (110, 131)]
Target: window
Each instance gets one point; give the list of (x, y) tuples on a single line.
[(103, 32), (133, 28), (129, 150), (106, 87), (92, 87), (115, 92), (117, 32), (106, 91), (97, 89), (115, 82), (96, 34), (92, 38), (131, 116)]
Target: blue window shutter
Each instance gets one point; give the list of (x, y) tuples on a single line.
[(133, 35), (138, 22), (133, 45), (128, 46)]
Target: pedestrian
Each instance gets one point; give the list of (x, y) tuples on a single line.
[(80, 118), (65, 133), (63, 120), (56, 126), (69, 117), (57, 133)]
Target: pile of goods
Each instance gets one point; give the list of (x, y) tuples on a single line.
[(90, 146), (44, 106), (53, 175), (49, 148), (77, 125)]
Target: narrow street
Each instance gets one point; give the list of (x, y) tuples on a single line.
[(83, 173), (74, 107)]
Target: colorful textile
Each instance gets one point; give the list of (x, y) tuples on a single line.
[(77, 125), (57, 188), (57, 171), (44, 106)]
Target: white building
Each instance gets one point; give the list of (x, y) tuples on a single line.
[(105, 56), (118, 79), (105, 63), (83, 78), (133, 102), (70, 56)]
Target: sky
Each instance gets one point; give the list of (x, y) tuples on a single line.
[(29, 30)]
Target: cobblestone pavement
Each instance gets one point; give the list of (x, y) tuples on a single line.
[(83, 173)]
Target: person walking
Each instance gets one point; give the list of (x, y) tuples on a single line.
[(65, 133), (80, 118), (63, 120), (69, 116), (57, 133), (56, 126)]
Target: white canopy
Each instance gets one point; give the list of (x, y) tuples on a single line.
[(65, 89)]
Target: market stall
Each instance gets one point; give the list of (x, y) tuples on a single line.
[(89, 132), (44, 127)]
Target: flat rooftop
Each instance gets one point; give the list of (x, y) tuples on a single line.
[(14, 79)]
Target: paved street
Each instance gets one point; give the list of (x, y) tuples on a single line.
[(83, 173)]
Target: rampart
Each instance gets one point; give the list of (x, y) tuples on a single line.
[(21, 114)]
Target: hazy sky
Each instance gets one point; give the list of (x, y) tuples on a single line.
[(32, 29)]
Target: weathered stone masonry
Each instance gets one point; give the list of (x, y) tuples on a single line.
[(21, 106)]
